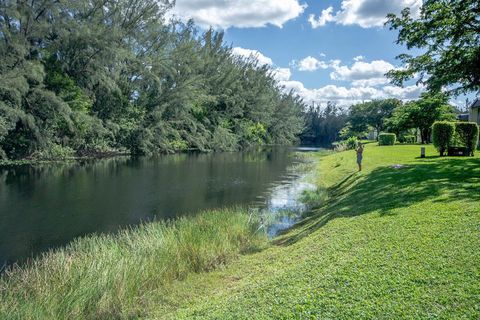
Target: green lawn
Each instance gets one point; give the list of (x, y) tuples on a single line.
[(390, 243), (387, 243)]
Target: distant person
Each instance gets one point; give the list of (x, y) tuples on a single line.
[(359, 156)]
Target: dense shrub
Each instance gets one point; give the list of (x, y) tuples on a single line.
[(349, 144), (467, 134), (409, 139), (442, 133), (387, 139), (121, 77)]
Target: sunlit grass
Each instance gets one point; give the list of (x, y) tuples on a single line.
[(390, 242), (387, 243)]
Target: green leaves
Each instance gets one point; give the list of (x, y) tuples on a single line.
[(421, 114), (448, 34), (112, 75), (442, 133)]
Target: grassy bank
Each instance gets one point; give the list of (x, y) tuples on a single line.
[(127, 274), (390, 242)]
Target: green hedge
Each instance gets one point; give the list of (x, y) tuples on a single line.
[(387, 139), (467, 133), (409, 138), (456, 134), (442, 134)]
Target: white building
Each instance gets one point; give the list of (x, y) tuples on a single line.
[(474, 114)]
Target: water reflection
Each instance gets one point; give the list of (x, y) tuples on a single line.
[(47, 206)]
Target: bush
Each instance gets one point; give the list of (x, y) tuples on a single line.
[(387, 139), (409, 139), (467, 134), (351, 143), (54, 151), (339, 146), (442, 133)]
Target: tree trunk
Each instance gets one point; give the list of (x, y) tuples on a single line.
[(425, 135)]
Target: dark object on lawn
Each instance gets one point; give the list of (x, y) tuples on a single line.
[(458, 151), (467, 132), (422, 152)]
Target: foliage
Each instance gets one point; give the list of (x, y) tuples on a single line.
[(421, 114), (351, 143), (467, 133), (113, 76), (105, 276), (339, 146), (348, 144), (322, 126), (372, 114), (409, 138), (387, 139), (442, 135), (448, 36)]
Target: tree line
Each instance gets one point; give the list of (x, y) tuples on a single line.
[(82, 77), (447, 35), (368, 119)]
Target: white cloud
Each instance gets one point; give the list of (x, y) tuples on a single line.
[(224, 14), (282, 74), (363, 73), (365, 13), (404, 93), (325, 17), (365, 80), (370, 82), (344, 96), (358, 58), (311, 64), (252, 54)]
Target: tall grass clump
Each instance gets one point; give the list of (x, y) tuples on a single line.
[(119, 276)]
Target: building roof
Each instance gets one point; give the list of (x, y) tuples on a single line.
[(475, 104)]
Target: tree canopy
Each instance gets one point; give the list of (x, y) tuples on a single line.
[(322, 126), (421, 114), (81, 77), (371, 114), (447, 34)]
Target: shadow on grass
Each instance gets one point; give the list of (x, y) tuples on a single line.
[(387, 188), (427, 157)]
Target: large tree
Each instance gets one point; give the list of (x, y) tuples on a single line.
[(322, 125), (447, 34), (421, 114), (371, 114), (87, 76)]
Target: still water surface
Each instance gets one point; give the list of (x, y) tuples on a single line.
[(46, 206)]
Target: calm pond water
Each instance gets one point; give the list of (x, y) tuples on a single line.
[(46, 206)]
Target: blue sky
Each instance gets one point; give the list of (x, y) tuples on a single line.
[(332, 50)]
